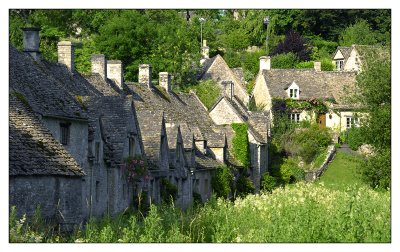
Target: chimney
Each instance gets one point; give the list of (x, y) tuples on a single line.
[(99, 65), (31, 42), (165, 81), (65, 51), (228, 88), (115, 72), (145, 75), (317, 66), (205, 50), (265, 63)]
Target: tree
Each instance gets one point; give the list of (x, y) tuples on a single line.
[(375, 94), (296, 44), (360, 34)]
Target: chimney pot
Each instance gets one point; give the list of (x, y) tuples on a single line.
[(145, 72), (115, 72), (31, 41), (65, 50), (265, 63), (99, 65), (165, 81)]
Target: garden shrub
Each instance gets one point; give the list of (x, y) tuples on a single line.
[(268, 183), (305, 64), (327, 65), (353, 137), (208, 92), (285, 60), (288, 171), (222, 181), (240, 144), (377, 169), (244, 186)]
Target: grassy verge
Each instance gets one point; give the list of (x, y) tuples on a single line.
[(342, 172)]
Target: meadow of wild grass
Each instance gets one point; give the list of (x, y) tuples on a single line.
[(302, 212)]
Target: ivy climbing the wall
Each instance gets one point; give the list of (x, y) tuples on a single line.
[(288, 104), (240, 144)]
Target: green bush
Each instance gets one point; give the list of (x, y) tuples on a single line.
[(288, 172), (222, 181), (168, 191), (240, 144), (305, 64), (327, 65), (377, 169), (285, 60), (354, 137), (268, 183), (244, 186), (208, 92)]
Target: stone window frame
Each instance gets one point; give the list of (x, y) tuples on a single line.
[(340, 65), (132, 146), (352, 122), (65, 133), (294, 91)]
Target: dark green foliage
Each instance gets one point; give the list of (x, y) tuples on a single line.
[(376, 170), (327, 65), (288, 171), (240, 144), (305, 64), (244, 186), (168, 191), (222, 181), (296, 44), (196, 198), (268, 183), (285, 60)]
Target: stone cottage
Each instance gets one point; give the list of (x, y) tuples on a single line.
[(89, 116), (304, 84), (232, 107), (175, 130)]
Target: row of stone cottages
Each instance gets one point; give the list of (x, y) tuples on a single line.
[(70, 135)]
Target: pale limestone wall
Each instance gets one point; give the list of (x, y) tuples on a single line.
[(165, 81), (352, 63), (65, 52), (261, 93), (217, 153), (114, 72), (224, 114), (338, 121)]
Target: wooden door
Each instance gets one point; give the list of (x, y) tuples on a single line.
[(322, 120)]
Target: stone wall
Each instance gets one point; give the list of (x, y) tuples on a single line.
[(115, 72), (223, 114), (59, 197), (65, 51), (99, 65), (315, 174)]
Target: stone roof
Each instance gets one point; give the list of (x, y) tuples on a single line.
[(205, 162), (45, 94), (259, 121), (32, 148), (238, 71), (312, 84), (345, 50)]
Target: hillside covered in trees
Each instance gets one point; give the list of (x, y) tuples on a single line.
[(170, 40)]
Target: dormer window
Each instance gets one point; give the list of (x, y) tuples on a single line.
[(339, 65), (293, 91), (64, 132)]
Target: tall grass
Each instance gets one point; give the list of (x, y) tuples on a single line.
[(303, 212)]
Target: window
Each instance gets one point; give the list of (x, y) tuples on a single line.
[(339, 65), (352, 122), (206, 186), (293, 93), (294, 117), (97, 152), (64, 132), (131, 146)]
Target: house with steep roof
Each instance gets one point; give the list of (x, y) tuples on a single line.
[(330, 87), (89, 116), (41, 172)]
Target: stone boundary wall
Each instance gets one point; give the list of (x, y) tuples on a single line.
[(312, 175)]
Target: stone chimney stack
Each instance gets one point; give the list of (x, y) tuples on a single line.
[(265, 63), (65, 51), (165, 81), (145, 71), (115, 72), (228, 88), (31, 42), (99, 65), (317, 66), (205, 50)]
